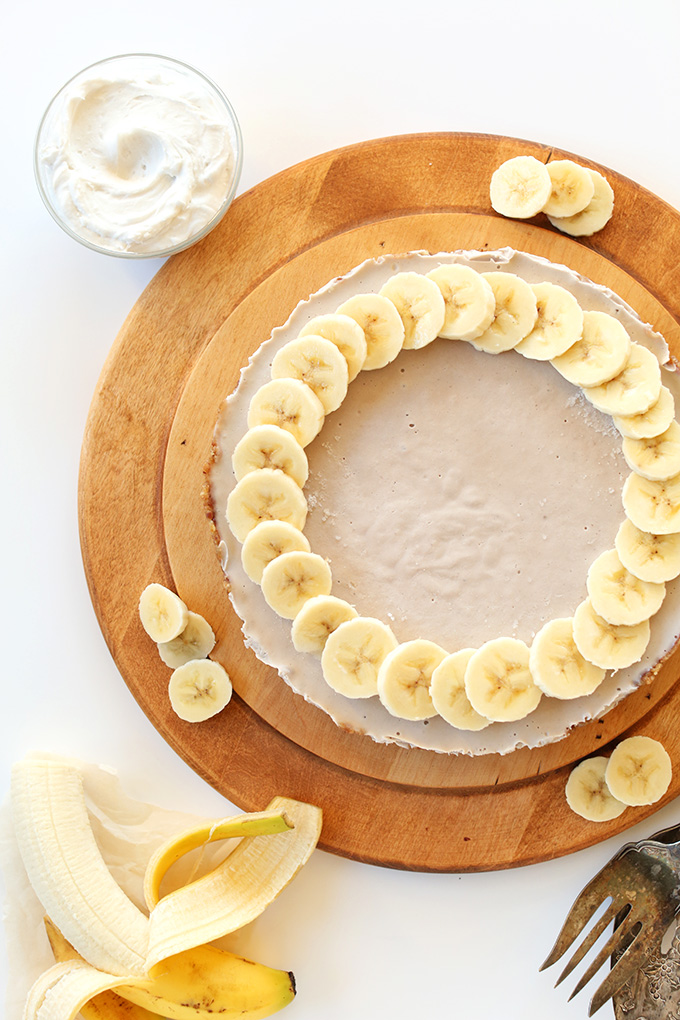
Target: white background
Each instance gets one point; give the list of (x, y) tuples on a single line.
[(594, 77)]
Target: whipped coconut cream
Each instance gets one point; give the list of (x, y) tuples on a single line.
[(138, 154)]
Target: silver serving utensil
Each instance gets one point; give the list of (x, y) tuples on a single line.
[(642, 881)]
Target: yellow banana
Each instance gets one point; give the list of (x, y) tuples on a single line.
[(200, 984)]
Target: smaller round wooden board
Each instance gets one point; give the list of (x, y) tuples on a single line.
[(142, 514)]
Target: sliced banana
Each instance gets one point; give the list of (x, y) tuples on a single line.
[(651, 422), (558, 326), (469, 301), (196, 641), (290, 404), (405, 676), (650, 557), (617, 595), (382, 326), (199, 690), (318, 363), (520, 187), (346, 334), (420, 304), (268, 540), (599, 355), (317, 619), (162, 613), (633, 390), (353, 654), (639, 771), (596, 214), (265, 495), (606, 644), (269, 446), (588, 794), (652, 506), (293, 578), (572, 188), (558, 667), (498, 681), (657, 458), (515, 313), (447, 690)]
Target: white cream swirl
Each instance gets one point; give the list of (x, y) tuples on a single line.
[(137, 155)]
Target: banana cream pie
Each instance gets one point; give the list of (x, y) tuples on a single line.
[(444, 549)]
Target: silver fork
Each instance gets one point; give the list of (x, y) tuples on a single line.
[(643, 882)]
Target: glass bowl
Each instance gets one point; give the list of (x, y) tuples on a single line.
[(138, 156)]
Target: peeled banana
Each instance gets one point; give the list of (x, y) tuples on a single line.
[(157, 965)]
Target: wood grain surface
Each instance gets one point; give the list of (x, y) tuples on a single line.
[(142, 517)]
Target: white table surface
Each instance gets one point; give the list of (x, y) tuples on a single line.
[(597, 77)]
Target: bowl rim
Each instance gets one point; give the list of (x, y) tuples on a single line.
[(237, 143)]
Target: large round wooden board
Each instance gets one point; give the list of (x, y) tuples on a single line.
[(143, 519)]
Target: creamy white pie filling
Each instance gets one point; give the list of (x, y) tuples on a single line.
[(458, 496)]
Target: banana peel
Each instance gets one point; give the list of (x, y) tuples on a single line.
[(201, 984)]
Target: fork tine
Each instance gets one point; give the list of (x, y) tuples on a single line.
[(620, 933), (589, 941), (583, 908), (628, 964)]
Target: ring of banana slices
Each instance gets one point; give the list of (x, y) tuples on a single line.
[(504, 679)]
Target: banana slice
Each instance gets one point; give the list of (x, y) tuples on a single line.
[(265, 495), (268, 540), (618, 596), (196, 641), (650, 557), (269, 446), (652, 506), (639, 771), (633, 390), (290, 404), (162, 613), (596, 214), (199, 690), (405, 676), (353, 655), (558, 326), (588, 794), (651, 422), (382, 326), (572, 188), (558, 667), (520, 187), (657, 458), (498, 681), (447, 690), (420, 305), (469, 301), (515, 313), (606, 644), (599, 355), (319, 364), (346, 334), (293, 578), (318, 618)]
